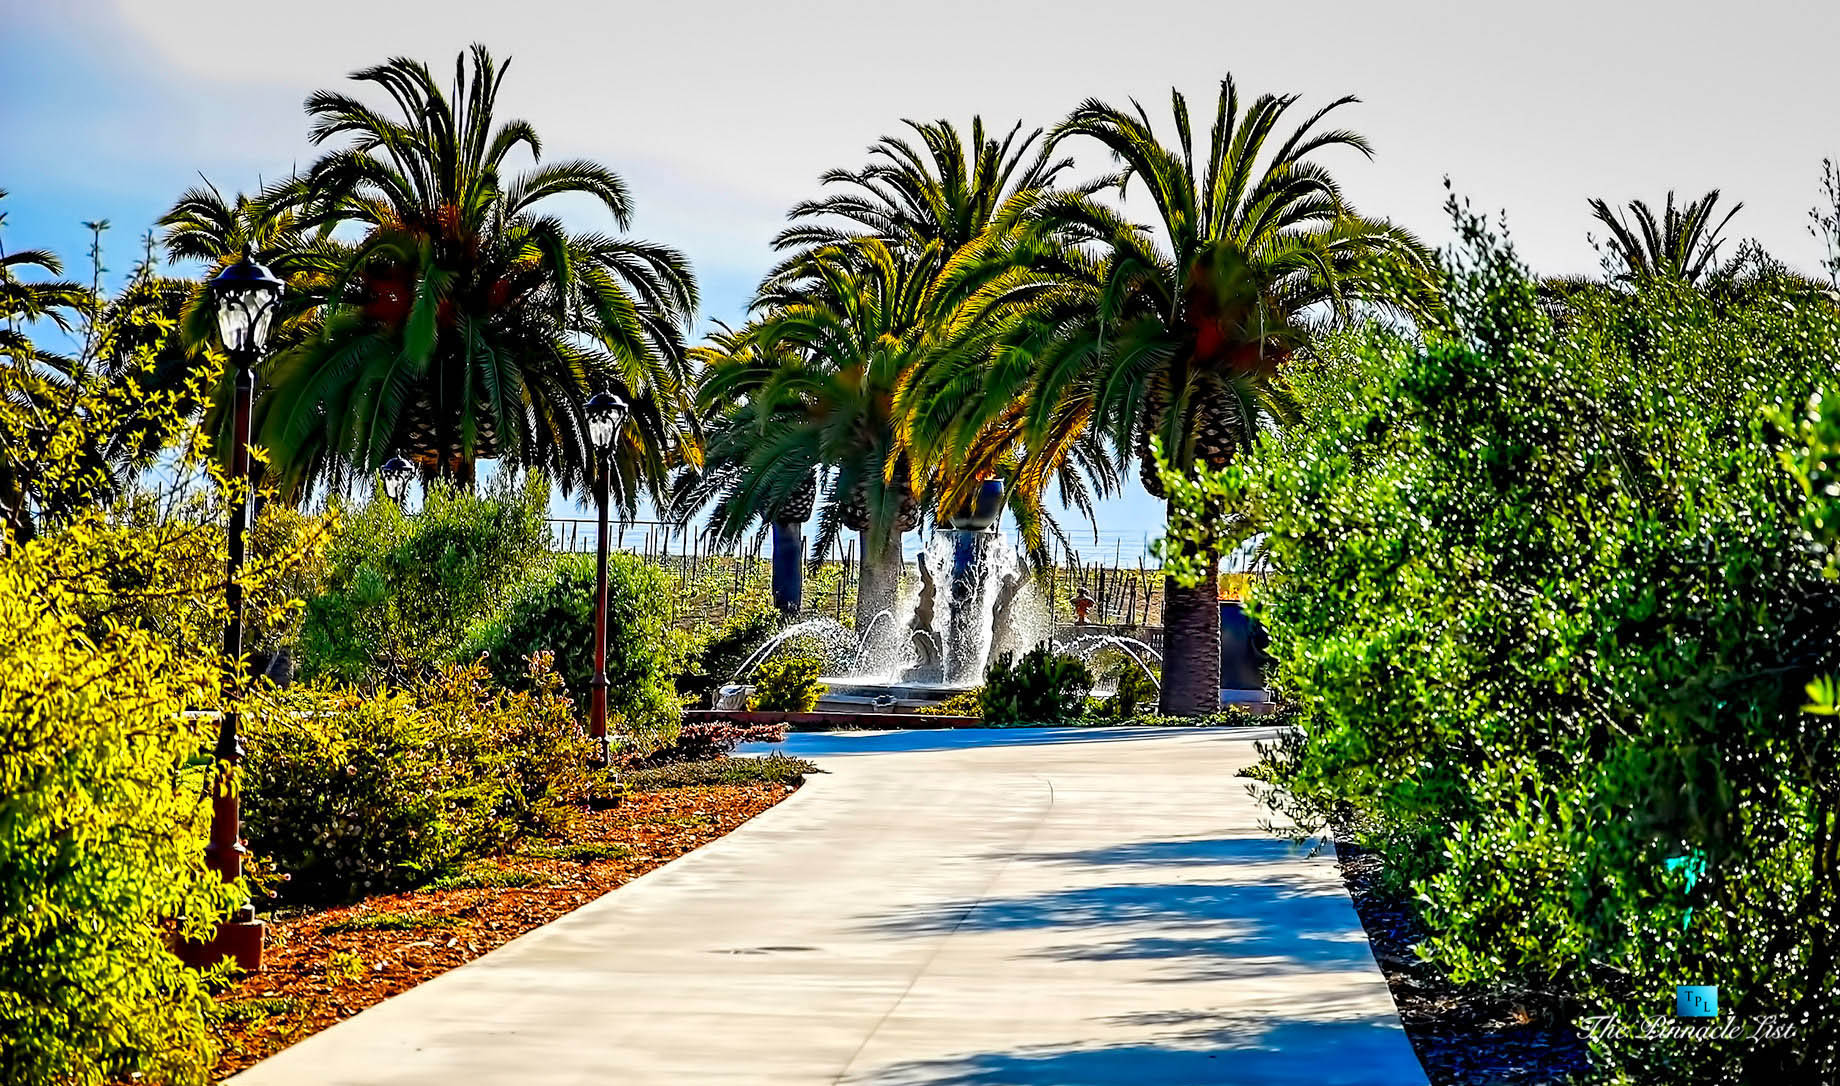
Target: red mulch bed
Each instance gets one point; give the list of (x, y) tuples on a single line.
[(313, 977)]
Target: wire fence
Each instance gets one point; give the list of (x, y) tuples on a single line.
[(714, 578)]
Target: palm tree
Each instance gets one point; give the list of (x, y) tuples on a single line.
[(1681, 245), (1176, 332), (35, 383), (876, 277), (812, 383), (464, 324)]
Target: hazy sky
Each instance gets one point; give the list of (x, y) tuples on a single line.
[(720, 115)]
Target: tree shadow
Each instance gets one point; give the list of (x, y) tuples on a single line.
[(1207, 1048), (819, 744)]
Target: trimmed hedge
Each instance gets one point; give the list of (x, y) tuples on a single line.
[(1549, 588)]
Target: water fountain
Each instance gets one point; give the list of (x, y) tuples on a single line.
[(973, 597)]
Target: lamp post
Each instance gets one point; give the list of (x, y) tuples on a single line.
[(395, 475), (604, 411), (245, 295)]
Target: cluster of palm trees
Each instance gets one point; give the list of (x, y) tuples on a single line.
[(961, 308)]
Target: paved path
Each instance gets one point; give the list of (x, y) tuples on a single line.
[(971, 907)]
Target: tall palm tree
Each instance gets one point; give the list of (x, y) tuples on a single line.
[(1175, 332), (464, 323), (810, 384), (1682, 244), (896, 252)]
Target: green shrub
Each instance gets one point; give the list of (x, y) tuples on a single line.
[(402, 591), (353, 795), (1043, 687), (964, 703), (1548, 601), (773, 769), (787, 683), (554, 612), (720, 652), (392, 921), (100, 834), (1132, 689)]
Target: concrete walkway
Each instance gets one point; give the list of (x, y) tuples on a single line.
[(968, 907)]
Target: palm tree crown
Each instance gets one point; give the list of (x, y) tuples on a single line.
[(464, 323), (1681, 245)]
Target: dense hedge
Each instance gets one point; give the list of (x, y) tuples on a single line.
[(1549, 587), (400, 592), (554, 612), (348, 795)]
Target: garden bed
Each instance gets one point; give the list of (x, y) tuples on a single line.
[(327, 964), (1463, 1037)]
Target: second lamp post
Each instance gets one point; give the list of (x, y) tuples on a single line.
[(605, 411)]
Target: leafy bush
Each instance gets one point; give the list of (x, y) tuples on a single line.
[(100, 835), (353, 795), (964, 703), (719, 653), (402, 591), (787, 683), (1043, 687), (773, 769), (554, 612), (1548, 601), (705, 741), (1132, 689)]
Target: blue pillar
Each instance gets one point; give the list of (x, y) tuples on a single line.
[(788, 567)]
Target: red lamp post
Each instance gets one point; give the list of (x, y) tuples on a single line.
[(605, 411), (245, 294)]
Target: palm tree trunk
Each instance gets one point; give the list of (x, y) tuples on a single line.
[(788, 566), (881, 577), (1191, 645)]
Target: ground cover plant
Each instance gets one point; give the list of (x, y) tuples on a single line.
[(1550, 588)]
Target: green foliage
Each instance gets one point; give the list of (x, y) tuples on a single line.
[(720, 652), (1548, 601), (964, 703), (585, 852), (1041, 688), (553, 612), (773, 769), (100, 840), (392, 921), (1133, 689), (787, 683), (401, 591), (354, 795)]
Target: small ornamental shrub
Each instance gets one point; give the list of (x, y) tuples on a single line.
[(963, 703), (553, 612), (787, 683), (350, 795), (1133, 690), (720, 652), (1043, 687)]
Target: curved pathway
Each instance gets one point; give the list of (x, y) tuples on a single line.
[(1063, 906)]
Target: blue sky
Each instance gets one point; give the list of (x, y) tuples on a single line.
[(721, 114)]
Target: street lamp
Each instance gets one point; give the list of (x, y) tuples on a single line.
[(245, 295), (604, 412), (395, 474)]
